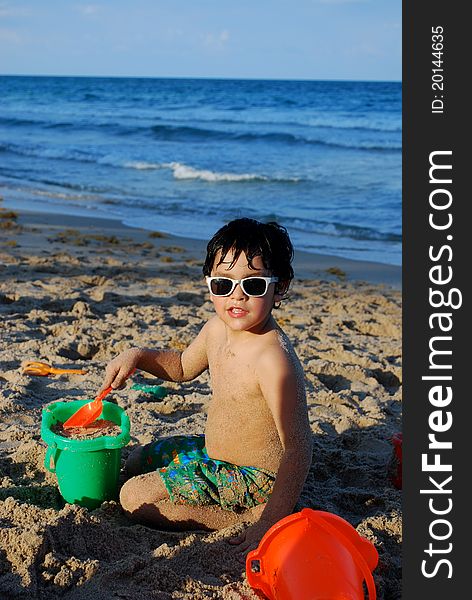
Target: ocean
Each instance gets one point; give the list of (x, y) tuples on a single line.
[(184, 156)]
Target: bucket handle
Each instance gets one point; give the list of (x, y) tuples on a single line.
[(356, 555), (51, 454)]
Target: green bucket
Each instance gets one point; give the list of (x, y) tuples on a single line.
[(87, 470)]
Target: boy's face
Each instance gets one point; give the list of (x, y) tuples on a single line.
[(239, 311)]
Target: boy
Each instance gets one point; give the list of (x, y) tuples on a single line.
[(252, 462)]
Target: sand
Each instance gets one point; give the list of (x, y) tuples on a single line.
[(74, 292), (96, 429)]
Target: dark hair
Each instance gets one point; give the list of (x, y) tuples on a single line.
[(270, 241)]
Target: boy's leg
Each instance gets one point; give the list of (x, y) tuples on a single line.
[(145, 499), (181, 517), (141, 491)]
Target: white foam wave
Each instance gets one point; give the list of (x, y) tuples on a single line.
[(143, 166), (182, 171), (185, 172)]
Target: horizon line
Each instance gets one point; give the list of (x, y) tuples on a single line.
[(202, 77)]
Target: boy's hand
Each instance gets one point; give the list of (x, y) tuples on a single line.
[(120, 368), (249, 539)]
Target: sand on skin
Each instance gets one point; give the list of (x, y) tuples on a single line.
[(74, 295)]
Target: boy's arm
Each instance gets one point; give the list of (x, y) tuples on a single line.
[(284, 391), (169, 365)]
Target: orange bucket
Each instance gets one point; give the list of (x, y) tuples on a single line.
[(312, 555)]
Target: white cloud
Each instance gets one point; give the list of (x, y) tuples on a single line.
[(88, 10), (174, 33), (10, 36), (217, 40), (366, 50)]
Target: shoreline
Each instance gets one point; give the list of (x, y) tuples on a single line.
[(306, 265)]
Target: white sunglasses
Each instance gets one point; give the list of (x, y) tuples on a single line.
[(251, 286)]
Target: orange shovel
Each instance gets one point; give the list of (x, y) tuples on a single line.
[(90, 411), (32, 367)]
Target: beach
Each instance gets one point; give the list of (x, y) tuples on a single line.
[(76, 291)]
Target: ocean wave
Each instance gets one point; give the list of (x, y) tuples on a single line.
[(198, 134), (353, 126), (167, 128), (91, 96), (341, 230), (140, 165), (50, 151), (31, 190), (18, 121), (200, 212), (83, 124), (182, 171), (174, 133), (201, 134), (167, 132), (322, 121), (185, 172), (292, 139)]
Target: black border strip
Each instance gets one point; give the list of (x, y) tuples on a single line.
[(436, 529)]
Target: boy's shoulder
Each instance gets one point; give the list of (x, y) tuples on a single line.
[(213, 325), (277, 352), (212, 329)]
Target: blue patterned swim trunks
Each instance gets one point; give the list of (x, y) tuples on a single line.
[(193, 478)]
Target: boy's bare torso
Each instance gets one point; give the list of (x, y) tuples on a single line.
[(240, 428)]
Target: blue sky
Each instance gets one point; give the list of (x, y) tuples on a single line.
[(286, 39)]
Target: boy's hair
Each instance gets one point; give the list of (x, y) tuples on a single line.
[(270, 241)]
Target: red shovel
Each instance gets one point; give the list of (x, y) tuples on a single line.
[(90, 411)]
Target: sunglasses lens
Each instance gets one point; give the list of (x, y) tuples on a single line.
[(255, 286), (221, 286)]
